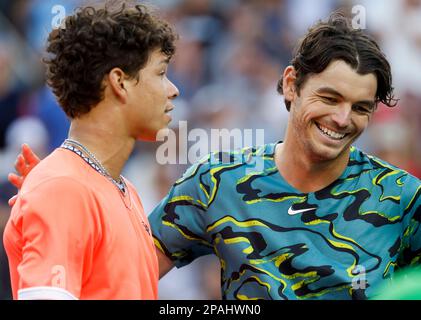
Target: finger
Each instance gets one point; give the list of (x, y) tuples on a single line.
[(12, 200), (20, 165), (15, 180), (30, 157)]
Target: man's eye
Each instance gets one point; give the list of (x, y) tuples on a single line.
[(361, 109), (330, 100)]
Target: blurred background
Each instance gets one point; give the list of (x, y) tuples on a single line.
[(229, 59)]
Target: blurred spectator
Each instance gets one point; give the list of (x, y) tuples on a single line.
[(40, 17), (9, 97), (394, 139), (52, 116)]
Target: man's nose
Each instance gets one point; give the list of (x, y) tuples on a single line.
[(173, 91), (342, 115)]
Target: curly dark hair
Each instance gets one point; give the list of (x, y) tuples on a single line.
[(337, 40), (92, 42)]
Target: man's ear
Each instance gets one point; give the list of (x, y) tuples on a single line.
[(288, 84), (116, 81)]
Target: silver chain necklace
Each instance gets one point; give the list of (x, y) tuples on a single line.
[(90, 158)]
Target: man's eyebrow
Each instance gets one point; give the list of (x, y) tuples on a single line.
[(165, 61), (369, 103), (329, 90)]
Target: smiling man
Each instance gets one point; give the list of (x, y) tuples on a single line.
[(330, 112), (78, 230), (320, 219)]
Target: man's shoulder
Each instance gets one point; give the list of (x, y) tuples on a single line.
[(250, 156), (380, 169), (244, 156), (58, 168)]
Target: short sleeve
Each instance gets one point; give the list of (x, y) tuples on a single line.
[(179, 221), (58, 233)]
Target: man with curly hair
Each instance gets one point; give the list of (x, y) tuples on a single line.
[(78, 229)]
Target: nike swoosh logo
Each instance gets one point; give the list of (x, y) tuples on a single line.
[(292, 212)]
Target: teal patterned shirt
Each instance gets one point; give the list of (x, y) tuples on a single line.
[(275, 242)]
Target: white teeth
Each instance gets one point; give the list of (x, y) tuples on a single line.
[(330, 133)]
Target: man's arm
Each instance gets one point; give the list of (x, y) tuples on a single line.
[(165, 263), (50, 240), (178, 221)]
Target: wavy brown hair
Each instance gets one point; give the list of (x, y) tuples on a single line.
[(92, 42), (337, 40)]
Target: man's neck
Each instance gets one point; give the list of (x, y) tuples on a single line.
[(305, 174), (110, 147)]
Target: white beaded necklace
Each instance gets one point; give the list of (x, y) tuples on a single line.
[(90, 158)]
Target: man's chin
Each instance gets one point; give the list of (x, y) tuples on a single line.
[(153, 136), (326, 153)]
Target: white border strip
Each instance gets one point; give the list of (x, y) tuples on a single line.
[(45, 293)]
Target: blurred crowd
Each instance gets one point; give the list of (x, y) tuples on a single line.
[(229, 58)]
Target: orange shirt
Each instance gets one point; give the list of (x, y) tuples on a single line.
[(73, 234)]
